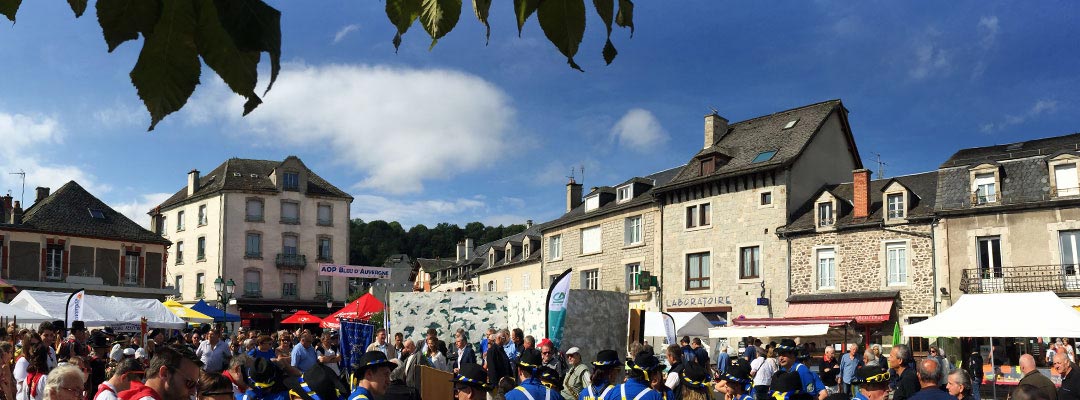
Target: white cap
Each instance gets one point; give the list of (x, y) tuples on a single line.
[(128, 352), (572, 350), (140, 353)]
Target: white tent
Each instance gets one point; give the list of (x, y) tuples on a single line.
[(772, 331), (22, 315), (686, 324), (100, 310), (1037, 314)]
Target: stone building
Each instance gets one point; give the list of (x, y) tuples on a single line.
[(609, 239), (862, 254), (719, 215), (508, 264), (266, 226), (70, 240)]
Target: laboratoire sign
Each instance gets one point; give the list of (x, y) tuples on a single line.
[(354, 271), (698, 301)]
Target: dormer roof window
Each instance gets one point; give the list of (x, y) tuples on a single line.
[(895, 204), (592, 202), (985, 188), (825, 214), (625, 193)]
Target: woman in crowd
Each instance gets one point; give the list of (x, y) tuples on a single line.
[(436, 358), (605, 376), (694, 383), (959, 384), (30, 369)]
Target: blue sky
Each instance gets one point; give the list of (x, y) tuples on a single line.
[(470, 131)]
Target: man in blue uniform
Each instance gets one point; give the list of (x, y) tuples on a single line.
[(531, 388), (470, 382), (265, 382), (318, 383), (639, 373), (873, 382), (810, 383), (372, 373)]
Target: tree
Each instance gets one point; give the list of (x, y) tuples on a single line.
[(231, 35)]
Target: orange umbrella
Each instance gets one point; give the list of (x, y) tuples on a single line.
[(302, 317)]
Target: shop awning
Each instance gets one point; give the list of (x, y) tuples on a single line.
[(772, 331), (833, 322), (864, 311)]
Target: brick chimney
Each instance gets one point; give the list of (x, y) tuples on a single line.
[(573, 195), (5, 208), (861, 186), (715, 128), (16, 214), (42, 193), (192, 182)]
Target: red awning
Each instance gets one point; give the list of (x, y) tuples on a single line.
[(833, 322), (863, 312)]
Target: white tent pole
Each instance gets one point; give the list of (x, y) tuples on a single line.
[(993, 366)]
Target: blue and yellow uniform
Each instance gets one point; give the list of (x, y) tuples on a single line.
[(257, 393), (633, 389), (744, 396), (811, 383), (595, 392), (531, 389), (667, 394), (361, 394)]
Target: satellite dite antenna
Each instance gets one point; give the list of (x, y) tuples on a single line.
[(22, 174)]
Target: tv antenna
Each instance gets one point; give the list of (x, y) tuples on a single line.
[(880, 165), (582, 166), (22, 197)]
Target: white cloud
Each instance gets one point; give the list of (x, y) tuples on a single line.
[(929, 59), (988, 27), (639, 130), (28, 141), (136, 209), (411, 212), (122, 115), (398, 126), (345, 31), (1042, 106)]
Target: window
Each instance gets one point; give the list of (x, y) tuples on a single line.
[(202, 215), (491, 257), (989, 256), (324, 249), (326, 215), (507, 282), (1069, 253), (749, 262), (200, 251), (551, 280), (179, 285), (254, 210), (291, 181), (985, 188), (525, 281), (764, 156), (633, 272), (697, 271), (54, 262), (290, 212), (179, 252), (708, 166), (96, 213), (252, 283), (624, 193), (131, 268), (200, 283), (826, 268), (179, 221), (766, 198), (1066, 180), (825, 214), (253, 246), (289, 244), (161, 227), (555, 247), (325, 287), (698, 215), (491, 286), (896, 205), (592, 202), (896, 259), (525, 249), (632, 231), (288, 286), (590, 279), (590, 240)]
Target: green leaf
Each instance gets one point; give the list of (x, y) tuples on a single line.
[(438, 17), (625, 18), (481, 8), (168, 67), (254, 27), (402, 13), (123, 20), (606, 9), (9, 7), (563, 22), (523, 9), (609, 52), (78, 6), (237, 69)]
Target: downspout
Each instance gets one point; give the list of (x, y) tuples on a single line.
[(933, 266), (660, 261), (221, 247)]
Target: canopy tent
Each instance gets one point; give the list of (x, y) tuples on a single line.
[(1038, 314), (214, 312), (362, 308), (22, 315), (187, 314), (686, 324), (100, 310), (768, 331), (301, 317)]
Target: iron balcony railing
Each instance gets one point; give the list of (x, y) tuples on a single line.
[(1029, 278), (286, 260)]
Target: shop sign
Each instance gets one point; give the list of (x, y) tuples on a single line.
[(698, 301)]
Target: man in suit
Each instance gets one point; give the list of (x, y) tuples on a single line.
[(465, 353), (498, 364)]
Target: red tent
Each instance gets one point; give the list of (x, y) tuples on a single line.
[(361, 308), (302, 317)]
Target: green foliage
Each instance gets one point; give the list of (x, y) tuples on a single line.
[(371, 243), (563, 22), (439, 17)]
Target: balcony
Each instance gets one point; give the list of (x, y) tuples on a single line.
[(285, 260), (1058, 278)]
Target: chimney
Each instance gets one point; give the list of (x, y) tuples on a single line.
[(715, 128), (460, 251), (861, 186), (5, 208), (16, 214), (42, 193), (468, 248), (192, 182), (528, 223), (573, 195)]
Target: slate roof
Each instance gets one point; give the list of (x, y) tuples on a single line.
[(224, 178), (746, 139), (67, 211), (578, 213), (922, 186), (480, 256), (433, 265), (1024, 173)]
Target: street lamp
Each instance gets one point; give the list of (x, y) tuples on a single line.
[(224, 290), (329, 302)]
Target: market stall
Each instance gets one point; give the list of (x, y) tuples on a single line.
[(187, 314), (693, 324), (99, 310)]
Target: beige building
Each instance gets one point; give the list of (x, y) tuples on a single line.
[(609, 238), (509, 264), (265, 225), (719, 216), (69, 240)]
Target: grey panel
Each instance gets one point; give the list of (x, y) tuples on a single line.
[(153, 270), (82, 261), (108, 266), (25, 261)]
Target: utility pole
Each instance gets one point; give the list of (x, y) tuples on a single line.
[(22, 196)]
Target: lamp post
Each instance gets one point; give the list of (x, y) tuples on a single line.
[(224, 290), (329, 303)]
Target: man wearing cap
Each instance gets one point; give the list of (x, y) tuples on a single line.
[(873, 383), (77, 345), (531, 388), (123, 374), (577, 376), (470, 382), (811, 383), (639, 375), (372, 374), (317, 383)]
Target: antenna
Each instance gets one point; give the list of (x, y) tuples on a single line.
[(714, 110), (571, 176), (22, 174), (582, 173), (880, 165)]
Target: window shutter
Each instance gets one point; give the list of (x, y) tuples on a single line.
[(590, 240)]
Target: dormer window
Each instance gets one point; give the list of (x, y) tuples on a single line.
[(895, 204), (1064, 180), (708, 165), (985, 188), (825, 214), (491, 257), (625, 193), (592, 202), (291, 181), (525, 249)]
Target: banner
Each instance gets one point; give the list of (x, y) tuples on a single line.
[(353, 271), (556, 307), (75, 305), (669, 328)]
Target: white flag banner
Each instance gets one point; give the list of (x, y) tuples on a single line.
[(556, 307), (75, 306)]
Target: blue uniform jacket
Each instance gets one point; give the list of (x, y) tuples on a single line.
[(254, 394), (811, 383), (597, 390), (633, 387), (361, 394), (535, 388)]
